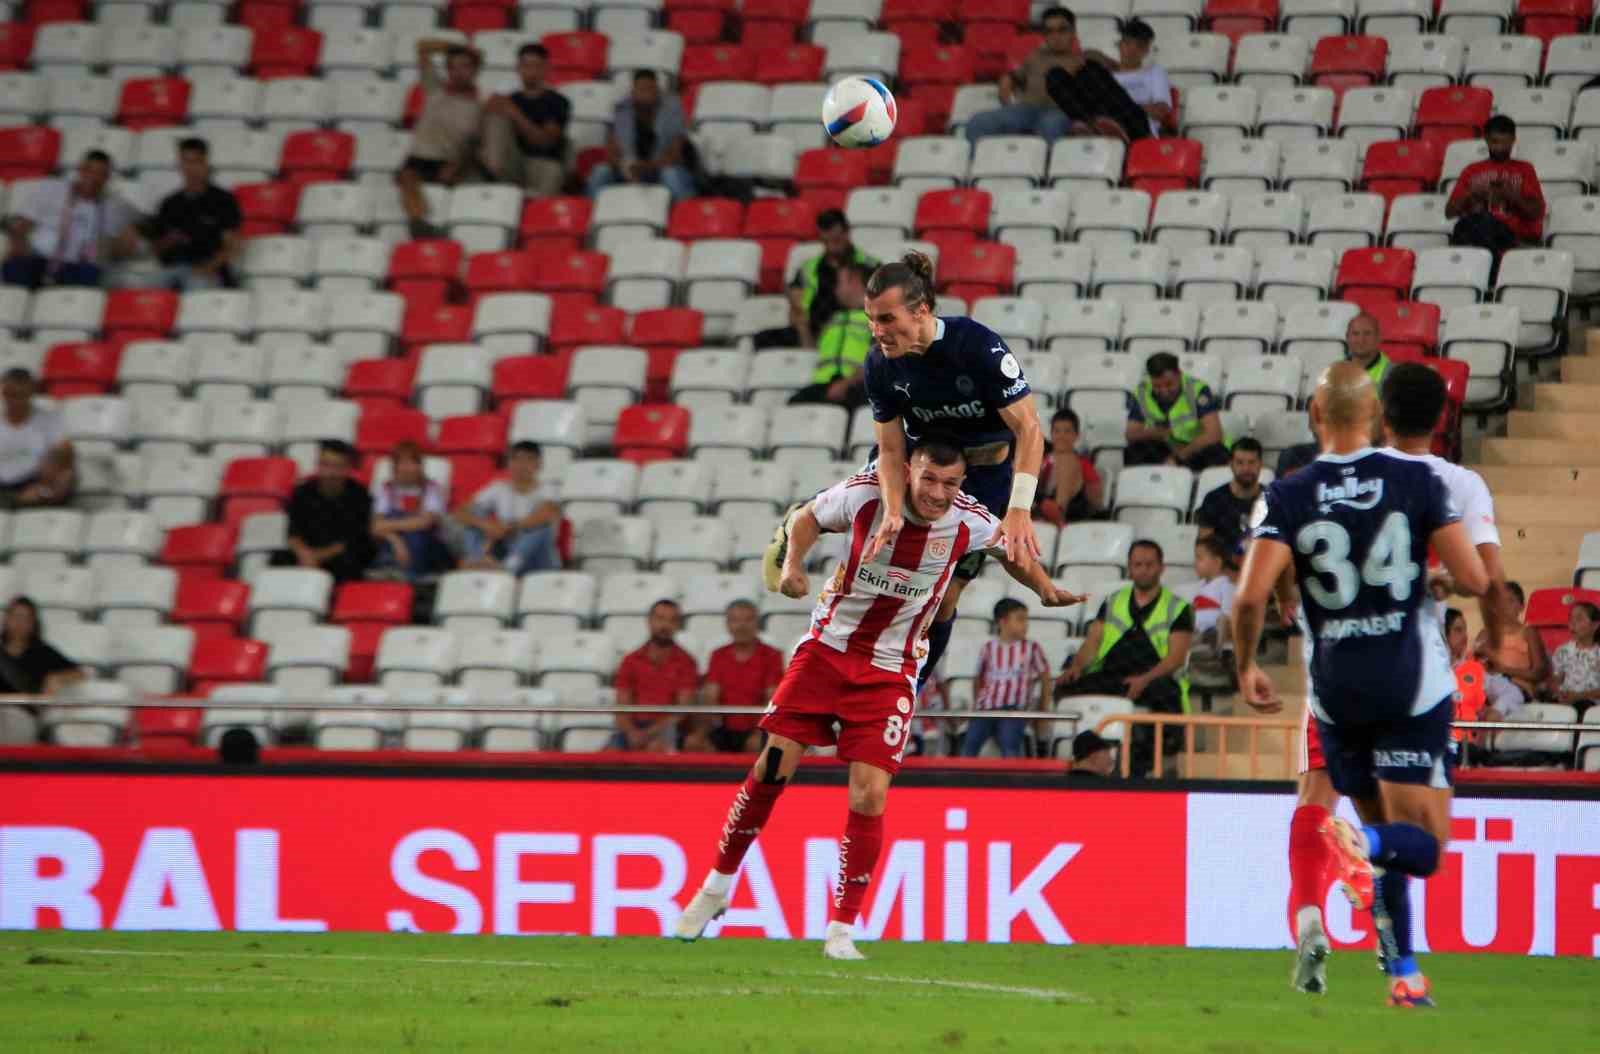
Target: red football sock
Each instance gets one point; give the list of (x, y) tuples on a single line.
[(746, 816), (858, 858), (1308, 861)]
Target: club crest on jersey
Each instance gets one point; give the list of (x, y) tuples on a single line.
[(903, 705), (964, 384), (1355, 493), (939, 549)]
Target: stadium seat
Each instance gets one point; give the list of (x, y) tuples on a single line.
[(1150, 496), (452, 380), (28, 152), (1451, 277), (210, 606), (1157, 165), (1406, 325), (226, 660), (561, 601), (1484, 337), (1447, 114), (1348, 61), (649, 433), (1417, 222), (154, 660), (823, 177), (1537, 282), (152, 102), (1270, 60), (1110, 217), (1208, 274), (1378, 274)]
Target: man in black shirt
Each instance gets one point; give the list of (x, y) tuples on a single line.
[(195, 232), (525, 133), (330, 518), (1225, 512)]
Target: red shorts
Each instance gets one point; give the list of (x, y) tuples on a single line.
[(873, 707), (1310, 744)]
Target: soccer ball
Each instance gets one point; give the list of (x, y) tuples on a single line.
[(859, 111)]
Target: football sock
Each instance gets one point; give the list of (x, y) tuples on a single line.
[(1392, 914), (1308, 862), (938, 640), (746, 816), (1402, 847), (858, 858)]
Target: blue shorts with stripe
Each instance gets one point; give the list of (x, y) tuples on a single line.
[(1413, 749)]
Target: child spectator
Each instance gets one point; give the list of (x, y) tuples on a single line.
[(1576, 680), (515, 519), (1012, 673), (1212, 654), (407, 511), (1070, 488)]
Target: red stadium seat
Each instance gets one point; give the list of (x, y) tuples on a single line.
[(651, 433), (291, 51), (595, 324), (380, 381), (774, 11), (797, 62), (880, 158), (43, 12), (896, 12), (153, 102), (947, 65), (1457, 112), (16, 44), (445, 324), (204, 549), (262, 15), (226, 660), (480, 18), (233, 512), (520, 377), (577, 272), (555, 223), (1014, 12), (990, 43), (266, 208), (958, 210), (1025, 44), (364, 640), (28, 152), (1401, 166), (768, 35), (580, 54), (502, 272), (780, 218), (139, 314), (1349, 62), (470, 473), (166, 729), (80, 369), (698, 27), (1380, 274), (258, 477), (716, 62), (1552, 607), (1408, 324), (1234, 18), (774, 258), (215, 605), (1548, 19), (380, 428), (694, 218), (978, 269), (1156, 165), (430, 269), (474, 433), (388, 603), (315, 156), (825, 175), (676, 327)]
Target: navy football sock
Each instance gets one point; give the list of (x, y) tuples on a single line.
[(1402, 847), (1391, 911), (938, 640)]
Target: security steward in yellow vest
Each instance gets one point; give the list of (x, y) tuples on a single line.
[(1363, 341), (812, 303), (1138, 647), (842, 346), (1174, 419)]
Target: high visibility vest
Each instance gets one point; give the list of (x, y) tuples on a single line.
[(1378, 370), (1471, 696), (810, 274), (1157, 626), (842, 346), (1181, 420)]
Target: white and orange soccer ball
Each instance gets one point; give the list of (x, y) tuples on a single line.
[(859, 111)]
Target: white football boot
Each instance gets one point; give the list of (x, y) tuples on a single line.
[(701, 912), (838, 944), (1311, 959)]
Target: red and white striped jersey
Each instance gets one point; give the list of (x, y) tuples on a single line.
[(882, 610), (1010, 672)]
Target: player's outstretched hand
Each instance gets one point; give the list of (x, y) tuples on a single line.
[(888, 531), (1059, 598), (1017, 537), (794, 584), (1256, 689)]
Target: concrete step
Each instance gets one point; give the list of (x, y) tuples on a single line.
[(1576, 426), (1539, 480), (1542, 540), (1535, 570), (1560, 509), (1569, 398), (1552, 452), (1581, 369), (1236, 766)]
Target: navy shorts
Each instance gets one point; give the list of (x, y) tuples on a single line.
[(1416, 750)]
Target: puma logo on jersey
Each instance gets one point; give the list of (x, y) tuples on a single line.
[(1354, 493), (904, 388)]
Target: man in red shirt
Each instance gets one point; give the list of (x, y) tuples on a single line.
[(1497, 204), (657, 674), (743, 673)]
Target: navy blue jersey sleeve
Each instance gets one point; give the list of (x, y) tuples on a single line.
[(1436, 508), (1273, 518), (999, 374), (878, 395)]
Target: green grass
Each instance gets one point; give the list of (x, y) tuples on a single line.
[(370, 993)]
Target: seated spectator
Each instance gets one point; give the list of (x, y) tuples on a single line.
[(659, 673), (330, 518), (1137, 647), (1121, 98), (65, 231), (1145, 82), (1363, 343), (1013, 674), (1294, 458), (1212, 652), (1091, 757), (1521, 657), (1071, 489), (1497, 204), (814, 289), (512, 523), (743, 673), (1224, 514), (1025, 104), (525, 133), (407, 513), (445, 140), (649, 142), (36, 458), (842, 345), (1484, 696), (195, 232), (1174, 419), (29, 666), (1576, 664)]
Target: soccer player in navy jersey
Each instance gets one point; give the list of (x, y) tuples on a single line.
[(1356, 526), (957, 376)]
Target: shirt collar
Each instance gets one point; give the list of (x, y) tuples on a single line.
[(938, 330), (1347, 459)]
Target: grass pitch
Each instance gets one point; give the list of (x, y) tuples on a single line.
[(366, 993)]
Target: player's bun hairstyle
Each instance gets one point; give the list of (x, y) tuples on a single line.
[(941, 450), (1413, 399), (912, 274)]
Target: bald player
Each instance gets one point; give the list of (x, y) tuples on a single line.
[(1355, 527)]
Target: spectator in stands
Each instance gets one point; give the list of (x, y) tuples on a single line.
[(330, 518), (1484, 696), (445, 139), (525, 133), (1137, 647), (1224, 514), (1363, 342), (512, 523), (1212, 652), (1576, 664), (1145, 82), (407, 514), (814, 289), (659, 673), (29, 666), (1013, 674), (744, 672), (195, 232), (1025, 104), (1072, 490), (649, 142), (65, 231), (1296, 457), (36, 458), (1521, 656), (1497, 204), (842, 345), (1122, 97), (1174, 419), (1091, 757)]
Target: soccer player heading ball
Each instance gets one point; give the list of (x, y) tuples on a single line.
[(860, 663), (956, 377)]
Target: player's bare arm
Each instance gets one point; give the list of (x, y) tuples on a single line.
[(1017, 535), (1264, 564), (804, 530), (1033, 575), (893, 472), (1461, 559)]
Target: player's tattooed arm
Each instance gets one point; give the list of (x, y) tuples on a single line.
[(1264, 564), (804, 530)]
